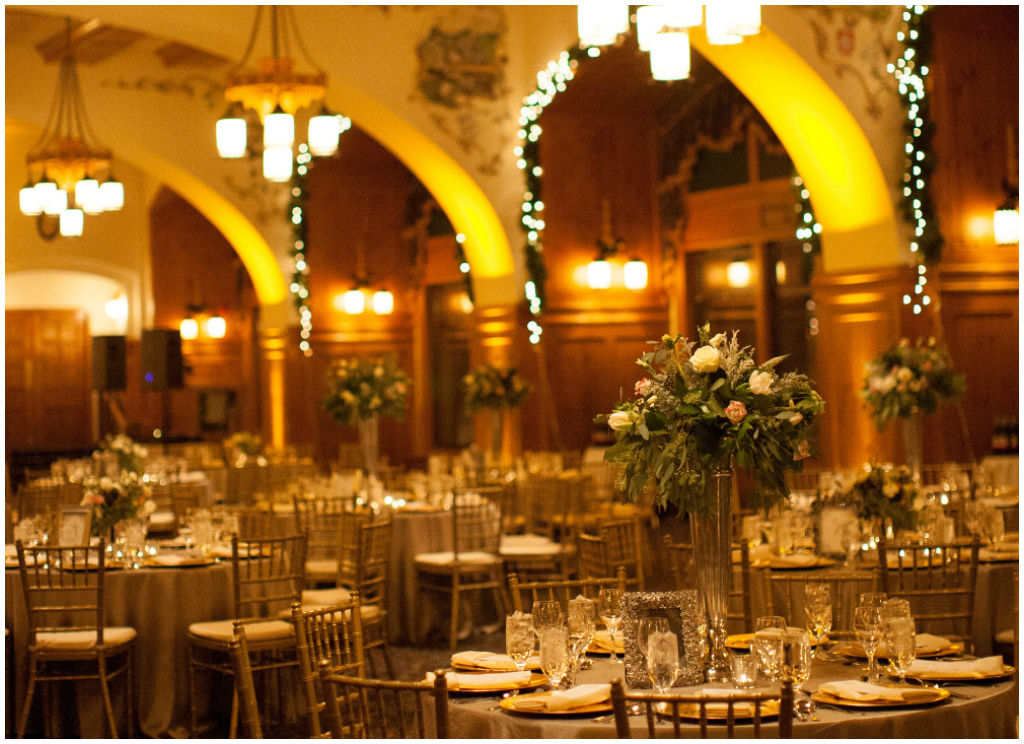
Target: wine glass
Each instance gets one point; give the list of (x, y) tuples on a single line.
[(851, 540), (547, 614), (554, 653), (867, 624), (768, 644), (519, 638), (796, 655), (610, 600), (901, 645), (582, 626), (662, 659), (647, 627), (818, 613), (973, 511), (871, 599)]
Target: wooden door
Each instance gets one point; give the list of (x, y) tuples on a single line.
[(47, 379)]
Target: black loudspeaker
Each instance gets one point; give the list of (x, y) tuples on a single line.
[(109, 368), (161, 360)]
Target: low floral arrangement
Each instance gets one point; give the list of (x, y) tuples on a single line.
[(246, 443), (131, 457), (881, 492), (491, 387), (906, 379), (704, 409), (362, 388), (116, 500)]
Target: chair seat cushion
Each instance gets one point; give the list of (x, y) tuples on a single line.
[(447, 558), (515, 545), (321, 567), (368, 613), (83, 640), (162, 520), (224, 630), (1005, 636), (324, 597)]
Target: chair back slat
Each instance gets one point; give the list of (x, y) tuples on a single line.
[(63, 588), (844, 588), (476, 524), (560, 590), (268, 574)]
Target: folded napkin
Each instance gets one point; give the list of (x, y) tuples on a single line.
[(990, 666), (925, 643), (471, 682), (795, 559), (602, 643), (1005, 546), (577, 697), (855, 690), (491, 661)]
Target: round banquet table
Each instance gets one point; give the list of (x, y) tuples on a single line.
[(983, 711), (160, 603)]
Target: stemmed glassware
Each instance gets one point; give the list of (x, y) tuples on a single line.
[(554, 653), (582, 626), (796, 655), (818, 613), (900, 644), (871, 599), (768, 644), (851, 540), (547, 614), (609, 601), (647, 627), (519, 638), (867, 624), (662, 659)]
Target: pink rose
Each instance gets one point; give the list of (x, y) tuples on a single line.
[(642, 387), (802, 451), (736, 411), (95, 499), (927, 366)]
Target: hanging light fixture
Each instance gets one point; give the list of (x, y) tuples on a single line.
[(276, 93), (67, 160), (599, 271), (600, 23), (1006, 220)]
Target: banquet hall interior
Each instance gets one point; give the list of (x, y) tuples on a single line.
[(225, 224)]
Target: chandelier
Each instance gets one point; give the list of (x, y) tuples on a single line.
[(66, 164), (663, 30), (275, 93)]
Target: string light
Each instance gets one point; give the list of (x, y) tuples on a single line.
[(808, 231), (296, 216), (910, 70)]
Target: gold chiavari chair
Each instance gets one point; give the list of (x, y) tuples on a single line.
[(681, 564), (322, 525), (267, 577), (561, 590), (332, 636), (255, 523), (245, 688), (65, 600), (41, 496), (360, 708), (617, 544), (473, 565), (758, 702), (554, 510), (785, 593), (938, 580)]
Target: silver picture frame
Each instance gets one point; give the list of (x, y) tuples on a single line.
[(680, 608)]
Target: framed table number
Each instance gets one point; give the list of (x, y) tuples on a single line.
[(680, 609), (75, 524)]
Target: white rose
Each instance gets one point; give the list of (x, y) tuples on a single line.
[(904, 374), (761, 383), (718, 340), (796, 418), (619, 421), (149, 506), (886, 384), (706, 359)]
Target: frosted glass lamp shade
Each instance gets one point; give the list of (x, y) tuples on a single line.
[(744, 18), (634, 274), (189, 329), (670, 55), (87, 190), (71, 222), (719, 24), (56, 201), (216, 327), (737, 274), (112, 194), (232, 139), (684, 14), (277, 164), (278, 129), (600, 23), (599, 274), (383, 302), (354, 301), (1006, 223), (28, 201), (649, 20), (324, 132)]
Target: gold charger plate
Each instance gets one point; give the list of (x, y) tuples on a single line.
[(536, 680), (854, 651), (531, 666), (742, 641), (603, 707), (938, 695), (781, 564), (742, 711), (1008, 671), (186, 563)]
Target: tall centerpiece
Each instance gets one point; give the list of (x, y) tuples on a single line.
[(121, 454), (240, 446), (907, 382), (705, 409), (884, 496), (497, 390), (361, 390)]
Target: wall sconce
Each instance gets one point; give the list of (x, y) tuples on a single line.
[(189, 328), (1006, 220), (383, 302), (216, 326), (599, 271), (634, 274), (737, 274), (212, 326), (354, 301)]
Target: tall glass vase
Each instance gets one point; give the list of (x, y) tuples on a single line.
[(712, 557), (913, 443), (369, 440), (497, 435)]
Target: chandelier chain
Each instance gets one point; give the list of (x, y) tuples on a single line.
[(290, 16), (252, 41)]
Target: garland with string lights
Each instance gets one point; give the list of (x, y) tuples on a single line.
[(917, 205), (808, 230), (300, 272)]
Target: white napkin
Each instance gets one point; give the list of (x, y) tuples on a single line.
[(11, 551), (470, 682), (924, 643), (488, 660), (854, 689), (602, 642), (796, 559), (170, 559), (987, 667), (577, 697)]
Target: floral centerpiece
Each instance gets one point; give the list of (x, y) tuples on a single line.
[(131, 457), (115, 500), (880, 494), (361, 390), (491, 387), (702, 410), (244, 442), (907, 379)]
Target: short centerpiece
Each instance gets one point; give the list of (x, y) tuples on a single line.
[(123, 454), (497, 390), (117, 500), (241, 446), (907, 382), (361, 390), (702, 411)]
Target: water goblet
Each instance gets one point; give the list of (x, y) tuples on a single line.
[(796, 655), (663, 660), (582, 625), (768, 644), (900, 644), (554, 653), (519, 638), (646, 627), (609, 601), (867, 625), (547, 614), (871, 599), (818, 613)]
